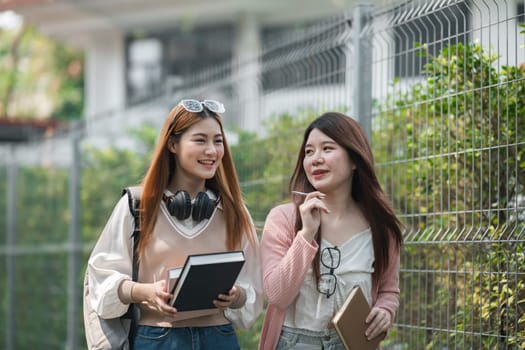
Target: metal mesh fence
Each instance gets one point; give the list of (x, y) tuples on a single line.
[(447, 133), (440, 88)]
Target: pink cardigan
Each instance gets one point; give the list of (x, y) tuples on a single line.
[(286, 260)]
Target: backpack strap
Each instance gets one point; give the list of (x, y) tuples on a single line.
[(134, 194)]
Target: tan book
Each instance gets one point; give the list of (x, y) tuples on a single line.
[(349, 322)]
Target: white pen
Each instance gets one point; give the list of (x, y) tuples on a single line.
[(300, 193), (321, 196)]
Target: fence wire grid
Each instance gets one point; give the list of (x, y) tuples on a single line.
[(439, 87)]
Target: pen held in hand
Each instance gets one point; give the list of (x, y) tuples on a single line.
[(300, 193), (320, 196)]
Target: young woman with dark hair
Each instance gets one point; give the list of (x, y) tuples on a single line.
[(191, 203), (338, 232)]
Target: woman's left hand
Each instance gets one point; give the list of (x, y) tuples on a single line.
[(379, 322), (225, 301)]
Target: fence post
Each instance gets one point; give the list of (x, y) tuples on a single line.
[(74, 242), (10, 249), (247, 70), (360, 60)]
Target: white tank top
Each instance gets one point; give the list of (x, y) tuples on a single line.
[(313, 310)]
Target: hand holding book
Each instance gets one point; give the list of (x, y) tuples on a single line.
[(351, 325), (231, 300), (204, 280), (378, 322), (223, 301)]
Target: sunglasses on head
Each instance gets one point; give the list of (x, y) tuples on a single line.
[(197, 106)]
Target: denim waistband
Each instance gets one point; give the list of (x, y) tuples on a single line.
[(307, 332), (307, 336)]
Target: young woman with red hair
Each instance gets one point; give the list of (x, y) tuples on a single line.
[(191, 203)]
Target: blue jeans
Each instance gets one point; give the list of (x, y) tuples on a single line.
[(303, 339), (221, 337)]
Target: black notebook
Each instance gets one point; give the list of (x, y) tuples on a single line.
[(203, 277)]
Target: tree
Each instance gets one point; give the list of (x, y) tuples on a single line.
[(39, 78)]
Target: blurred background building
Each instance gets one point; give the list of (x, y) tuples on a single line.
[(137, 51), (141, 57)]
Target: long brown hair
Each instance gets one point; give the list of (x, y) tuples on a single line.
[(366, 190), (162, 170)]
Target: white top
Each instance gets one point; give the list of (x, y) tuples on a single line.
[(313, 310)]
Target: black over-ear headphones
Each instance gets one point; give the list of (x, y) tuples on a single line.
[(180, 206)]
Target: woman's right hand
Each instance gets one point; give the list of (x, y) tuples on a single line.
[(310, 212), (155, 296)]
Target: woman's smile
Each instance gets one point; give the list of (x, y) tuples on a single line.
[(318, 174), (208, 163)]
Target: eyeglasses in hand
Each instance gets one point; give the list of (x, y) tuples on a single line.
[(330, 258), (197, 106)]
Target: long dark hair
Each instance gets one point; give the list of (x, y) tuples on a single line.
[(366, 190), (162, 170)]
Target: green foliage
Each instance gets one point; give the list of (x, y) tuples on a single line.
[(453, 164), (105, 173), (68, 69), (265, 164), (249, 338), (453, 134), (42, 226), (50, 217), (39, 77)]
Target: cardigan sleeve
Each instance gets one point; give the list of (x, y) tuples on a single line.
[(388, 286), (286, 258)]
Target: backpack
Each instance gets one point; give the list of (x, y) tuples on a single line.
[(115, 333)]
